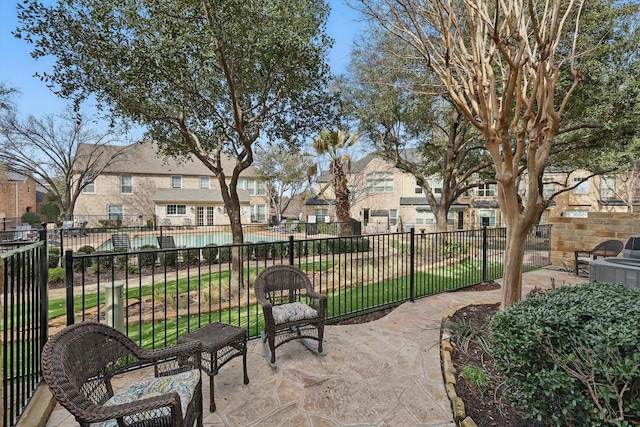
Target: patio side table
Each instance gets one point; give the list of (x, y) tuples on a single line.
[(220, 343)]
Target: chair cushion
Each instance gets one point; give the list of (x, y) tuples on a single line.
[(292, 312), (184, 383)]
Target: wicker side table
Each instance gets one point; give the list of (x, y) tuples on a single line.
[(220, 344)]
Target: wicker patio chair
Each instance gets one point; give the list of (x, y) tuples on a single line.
[(292, 309), (608, 248), (79, 363)]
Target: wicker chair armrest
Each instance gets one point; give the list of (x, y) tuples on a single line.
[(263, 301), (169, 400), (316, 295)]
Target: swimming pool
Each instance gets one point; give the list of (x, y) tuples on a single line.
[(189, 240)]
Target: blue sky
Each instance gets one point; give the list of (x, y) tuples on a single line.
[(17, 67)]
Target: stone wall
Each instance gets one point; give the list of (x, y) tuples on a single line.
[(570, 234)]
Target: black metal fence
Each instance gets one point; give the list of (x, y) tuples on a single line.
[(24, 324), (155, 295)]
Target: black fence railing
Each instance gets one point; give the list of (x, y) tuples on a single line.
[(159, 292), (156, 295), (24, 324)]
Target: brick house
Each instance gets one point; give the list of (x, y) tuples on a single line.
[(141, 186), (17, 197)]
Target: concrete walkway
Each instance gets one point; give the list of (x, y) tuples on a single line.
[(383, 373)]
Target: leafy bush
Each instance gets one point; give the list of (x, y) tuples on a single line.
[(571, 356), (343, 245), (54, 257), (168, 259), (224, 254), (190, 256), (210, 253), (453, 248), (82, 263), (57, 275), (148, 259), (31, 218)]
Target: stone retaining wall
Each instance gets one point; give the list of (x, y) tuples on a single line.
[(570, 234)]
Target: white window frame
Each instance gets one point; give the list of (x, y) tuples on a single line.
[(424, 217), (582, 188), (380, 182), (124, 186), (251, 186), (393, 216), (176, 181), (115, 210), (436, 186), (176, 209), (205, 183), (608, 187), (418, 188), (486, 190), (90, 187), (261, 188), (488, 213)]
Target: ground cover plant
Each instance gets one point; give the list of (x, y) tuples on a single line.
[(571, 356)]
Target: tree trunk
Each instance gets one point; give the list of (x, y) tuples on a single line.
[(513, 259), (440, 212)]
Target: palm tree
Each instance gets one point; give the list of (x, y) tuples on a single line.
[(335, 144)]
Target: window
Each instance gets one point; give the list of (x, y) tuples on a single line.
[(251, 186), (570, 213), (393, 217), (486, 190), (262, 189), (425, 218), (436, 186), (487, 217), (418, 188), (205, 183), (259, 213), (548, 188), (90, 187), (608, 189), (115, 212), (176, 181), (321, 213), (176, 209), (582, 186), (380, 182), (451, 218), (126, 184)]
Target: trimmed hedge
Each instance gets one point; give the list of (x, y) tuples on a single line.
[(571, 356)]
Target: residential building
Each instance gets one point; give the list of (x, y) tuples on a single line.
[(17, 197), (141, 186)]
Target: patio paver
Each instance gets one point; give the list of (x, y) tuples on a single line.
[(383, 373)]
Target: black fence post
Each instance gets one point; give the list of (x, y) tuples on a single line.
[(44, 280), (484, 253), (412, 257), (68, 263), (290, 250)]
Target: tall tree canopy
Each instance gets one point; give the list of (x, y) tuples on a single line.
[(511, 67), (412, 123), (210, 77)]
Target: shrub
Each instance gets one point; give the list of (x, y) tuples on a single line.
[(54, 257), (224, 254), (263, 250), (169, 258), (148, 258), (190, 256), (57, 275), (571, 356), (210, 253), (453, 248), (31, 218), (82, 263)]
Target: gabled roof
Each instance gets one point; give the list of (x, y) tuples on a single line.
[(194, 195), (143, 158)]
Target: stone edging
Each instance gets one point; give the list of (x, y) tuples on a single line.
[(449, 371)]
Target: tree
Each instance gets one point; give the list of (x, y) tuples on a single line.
[(47, 150), (6, 94), (210, 77), (287, 171), (503, 68), (334, 144), (410, 123)]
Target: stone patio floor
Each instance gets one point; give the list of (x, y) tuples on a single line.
[(383, 373)]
